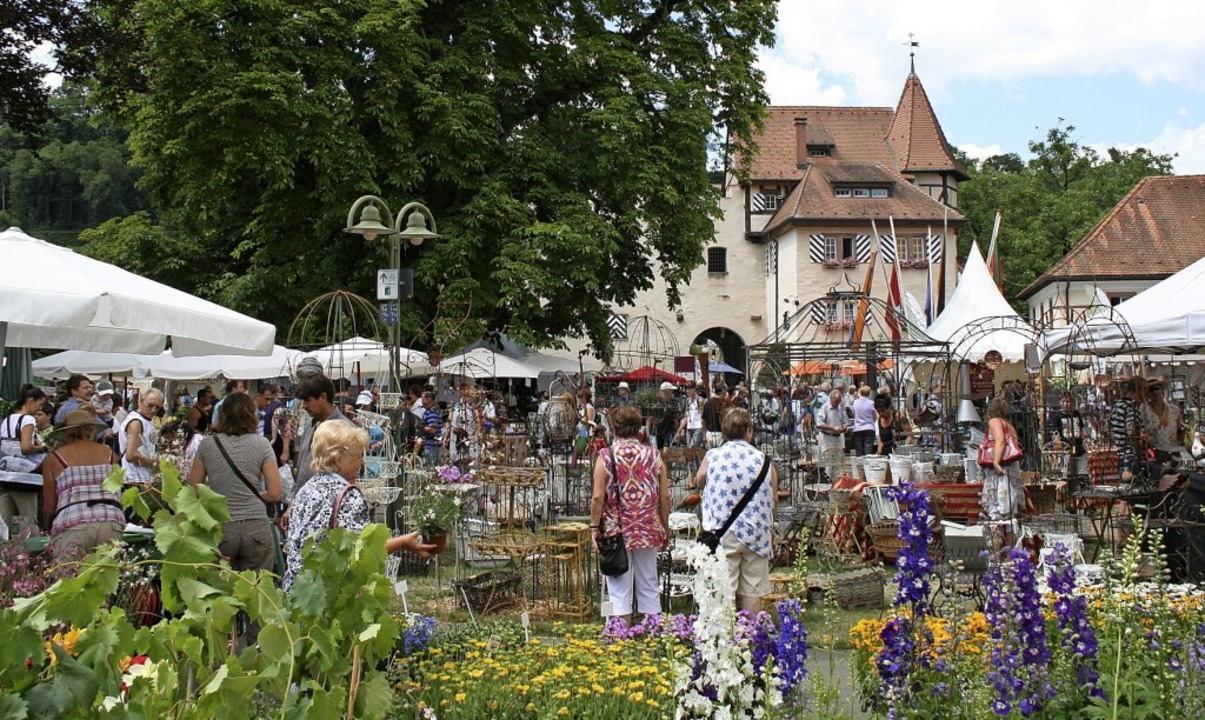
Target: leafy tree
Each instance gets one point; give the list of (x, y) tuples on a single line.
[(562, 146), (24, 97), (77, 176), (1050, 201)]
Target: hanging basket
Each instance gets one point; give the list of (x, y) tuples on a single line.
[(385, 495), (370, 419), (389, 400)]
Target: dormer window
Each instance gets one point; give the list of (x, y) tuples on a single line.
[(861, 191), (819, 151)]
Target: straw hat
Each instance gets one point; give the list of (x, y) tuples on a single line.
[(78, 419)]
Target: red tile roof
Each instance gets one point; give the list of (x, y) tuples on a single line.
[(1155, 231), (916, 137), (869, 146)]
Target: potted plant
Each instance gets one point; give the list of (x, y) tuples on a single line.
[(435, 513)]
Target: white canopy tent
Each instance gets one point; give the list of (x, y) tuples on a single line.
[(975, 300), (85, 362), (167, 367), (369, 359), (1168, 317), (53, 297), (235, 367), (485, 363)]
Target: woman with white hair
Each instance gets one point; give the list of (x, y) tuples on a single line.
[(331, 498)]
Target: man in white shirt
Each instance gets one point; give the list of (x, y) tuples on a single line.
[(831, 422)]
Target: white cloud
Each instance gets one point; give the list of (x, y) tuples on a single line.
[(1188, 143), (858, 47), (981, 152)]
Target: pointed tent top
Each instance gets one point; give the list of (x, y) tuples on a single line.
[(976, 297), (916, 138)]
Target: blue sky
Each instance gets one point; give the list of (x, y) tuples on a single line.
[(999, 74)]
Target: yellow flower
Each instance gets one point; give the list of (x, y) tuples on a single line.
[(562, 695), (476, 674), (598, 688), (530, 707), (460, 697), (493, 705), (652, 703), (444, 703), (563, 712), (636, 697)]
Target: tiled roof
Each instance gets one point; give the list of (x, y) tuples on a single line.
[(858, 135), (1156, 230), (812, 199), (916, 137)]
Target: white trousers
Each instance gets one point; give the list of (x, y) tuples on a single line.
[(831, 441), (642, 572)]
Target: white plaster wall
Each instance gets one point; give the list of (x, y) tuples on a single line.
[(730, 301)]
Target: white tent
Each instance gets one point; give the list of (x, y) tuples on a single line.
[(975, 300), (369, 359), (51, 297), (1168, 316), (85, 362), (235, 367), (484, 363)]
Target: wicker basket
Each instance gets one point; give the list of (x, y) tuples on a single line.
[(389, 400), (885, 536), (852, 590), (488, 591)]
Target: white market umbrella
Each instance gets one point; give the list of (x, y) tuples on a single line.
[(369, 357), (483, 363), (85, 362), (235, 367), (52, 297)]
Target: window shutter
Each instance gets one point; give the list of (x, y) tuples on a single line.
[(887, 248), (862, 248), (819, 312), (619, 327), (816, 248), (936, 247)]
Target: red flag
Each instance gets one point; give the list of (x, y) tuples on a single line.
[(894, 303)]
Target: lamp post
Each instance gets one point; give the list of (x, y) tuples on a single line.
[(375, 220)]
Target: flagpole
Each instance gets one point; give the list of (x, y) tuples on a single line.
[(941, 271), (864, 303)]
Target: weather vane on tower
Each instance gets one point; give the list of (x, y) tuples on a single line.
[(912, 45)]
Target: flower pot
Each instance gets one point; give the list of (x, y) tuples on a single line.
[(439, 540)]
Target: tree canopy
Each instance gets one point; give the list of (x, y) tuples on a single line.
[(1049, 202), (562, 146)]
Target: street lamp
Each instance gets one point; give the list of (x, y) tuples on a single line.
[(376, 220)]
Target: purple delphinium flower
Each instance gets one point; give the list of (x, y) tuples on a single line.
[(762, 639), (1020, 657), (1071, 610), (791, 646), (417, 636), (900, 656), (914, 566)]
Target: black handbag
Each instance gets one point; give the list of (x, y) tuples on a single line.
[(612, 552), (712, 539)]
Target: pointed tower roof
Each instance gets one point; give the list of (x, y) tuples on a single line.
[(915, 136)]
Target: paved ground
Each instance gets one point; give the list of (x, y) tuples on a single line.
[(833, 668)]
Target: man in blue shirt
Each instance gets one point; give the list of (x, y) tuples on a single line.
[(433, 428)]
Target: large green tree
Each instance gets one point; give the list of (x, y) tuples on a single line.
[(562, 145), (1050, 201)]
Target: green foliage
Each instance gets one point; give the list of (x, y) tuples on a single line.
[(75, 177), (1049, 202), (563, 147), (304, 665)]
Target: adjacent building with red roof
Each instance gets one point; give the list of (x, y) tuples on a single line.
[(1155, 231)]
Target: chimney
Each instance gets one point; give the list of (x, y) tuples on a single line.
[(801, 141)]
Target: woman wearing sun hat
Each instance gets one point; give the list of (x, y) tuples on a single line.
[(78, 511)]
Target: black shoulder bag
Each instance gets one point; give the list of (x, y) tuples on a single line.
[(273, 508), (712, 539), (612, 552)]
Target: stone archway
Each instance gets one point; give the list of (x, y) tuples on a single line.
[(731, 344)]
